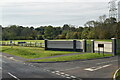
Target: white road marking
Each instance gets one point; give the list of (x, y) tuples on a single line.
[(73, 76), (13, 76), (68, 77), (67, 74), (53, 72), (107, 62), (97, 68), (11, 57), (47, 70), (1, 68), (57, 73), (114, 76), (62, 73), (71, 69)]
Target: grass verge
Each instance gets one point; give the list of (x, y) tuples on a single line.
[(31, 52), (118, 75), (73, 57)]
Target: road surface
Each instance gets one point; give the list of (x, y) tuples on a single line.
[(97, 69), (15, 70)]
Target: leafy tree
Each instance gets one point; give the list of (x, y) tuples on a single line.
[(49, 32)]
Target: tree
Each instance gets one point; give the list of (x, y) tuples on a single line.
[(102, 18), (90, 24), (49, 32), (85, 33)]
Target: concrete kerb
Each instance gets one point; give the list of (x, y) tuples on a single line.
[(67, 61), (114, 76)]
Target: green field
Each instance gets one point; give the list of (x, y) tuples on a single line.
[(42, 41), (31, 52)]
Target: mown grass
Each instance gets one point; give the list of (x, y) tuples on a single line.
[(106, 40), (118, 75), (73, 57), (31, 52), (42, 41)]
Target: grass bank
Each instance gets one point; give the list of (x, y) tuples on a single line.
[(31, 52), (73, 57)]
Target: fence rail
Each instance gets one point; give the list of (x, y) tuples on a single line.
[(27, 44)]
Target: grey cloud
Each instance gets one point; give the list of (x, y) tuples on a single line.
[(53, 13)]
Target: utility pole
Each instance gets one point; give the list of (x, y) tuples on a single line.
[(118, 11), (113, 9)]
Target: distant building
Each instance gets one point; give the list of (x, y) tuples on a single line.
[(119, 11)]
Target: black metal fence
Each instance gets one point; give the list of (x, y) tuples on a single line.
[(118, 46), (88, 46), (25, 44)]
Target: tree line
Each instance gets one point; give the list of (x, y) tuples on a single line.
[(104, 28)]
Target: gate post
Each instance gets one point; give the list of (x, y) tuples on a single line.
[(46, 42), (74, 45), (114, 46), (84, 45), (92, 46)]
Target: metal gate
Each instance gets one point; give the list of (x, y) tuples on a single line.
[(88, 46), (118, 46)]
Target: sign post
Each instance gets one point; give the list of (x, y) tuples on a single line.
[(11, 44)]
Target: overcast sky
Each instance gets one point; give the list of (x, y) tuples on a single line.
[(51, 12)]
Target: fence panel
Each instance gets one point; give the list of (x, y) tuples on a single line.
[(118, 46), (88, 46)]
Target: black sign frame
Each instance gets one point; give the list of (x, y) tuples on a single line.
[(101, 45)]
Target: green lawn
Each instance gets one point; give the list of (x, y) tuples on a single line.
[(106, 40), (73, 57), (118, 75), (42, 41), (31, 52)]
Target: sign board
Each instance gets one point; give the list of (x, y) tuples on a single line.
[(21, 42), (10, 41), (101, 45)]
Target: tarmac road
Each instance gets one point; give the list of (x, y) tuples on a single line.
[(14, 70), (96, 69)]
